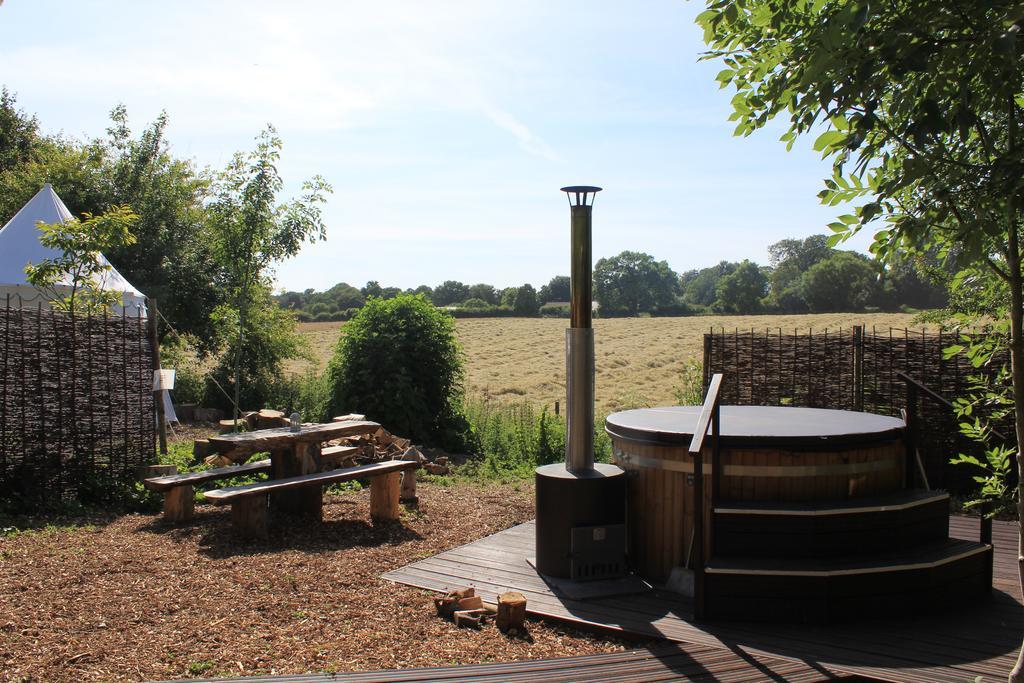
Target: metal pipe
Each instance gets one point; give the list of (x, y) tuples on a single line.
[(579, 343), (579, 364), (581, 275)]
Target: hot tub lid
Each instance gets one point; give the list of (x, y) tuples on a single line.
[(777, 426)]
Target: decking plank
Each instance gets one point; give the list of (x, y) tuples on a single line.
[(954, 647), (647, 665)]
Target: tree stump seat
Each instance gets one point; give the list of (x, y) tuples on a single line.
[(179, 489), (251, 503)]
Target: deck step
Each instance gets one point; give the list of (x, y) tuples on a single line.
[(916, 579), (832, 528)]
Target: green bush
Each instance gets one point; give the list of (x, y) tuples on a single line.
[(489, 312), (307, 394), (400, 364), (555, 310), (179, 352)]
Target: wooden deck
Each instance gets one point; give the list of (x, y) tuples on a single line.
[(699, 663), (949, 646)]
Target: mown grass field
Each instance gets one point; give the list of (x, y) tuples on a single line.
[(640, 361)]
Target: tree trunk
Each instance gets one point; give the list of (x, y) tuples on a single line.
[(238, 356), (1017, 373)]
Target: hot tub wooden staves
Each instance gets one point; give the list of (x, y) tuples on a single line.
[(813, 520)]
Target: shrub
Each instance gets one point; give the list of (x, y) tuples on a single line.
[(306, 394), (489, 312), (399, 363), (179, 352), (555, 311)]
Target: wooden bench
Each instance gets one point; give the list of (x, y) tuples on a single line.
[(179, 489), (250, 503)]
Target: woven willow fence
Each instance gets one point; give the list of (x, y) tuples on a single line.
[(76, 402), (852, 369)]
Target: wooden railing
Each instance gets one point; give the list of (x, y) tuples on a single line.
[(710, 414), (915, 390)]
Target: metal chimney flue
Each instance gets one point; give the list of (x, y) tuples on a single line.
[(581, 506), (579, 338)]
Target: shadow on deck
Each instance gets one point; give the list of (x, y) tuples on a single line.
[(951, 645)]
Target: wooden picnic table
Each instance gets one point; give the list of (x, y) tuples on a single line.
[(292, 454)]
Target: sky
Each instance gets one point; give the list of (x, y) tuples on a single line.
[(445, 128)]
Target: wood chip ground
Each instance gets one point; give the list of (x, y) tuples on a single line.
[(131, 598)]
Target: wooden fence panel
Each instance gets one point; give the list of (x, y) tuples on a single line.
[(76, 402), (850, 370)]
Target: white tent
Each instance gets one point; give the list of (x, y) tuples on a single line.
[(20, 246)]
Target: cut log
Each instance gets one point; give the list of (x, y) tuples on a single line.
[(511, 611), (179, 504), (144, 472), (434, 468), (469, 618), (228, 426), (334, 456), (384, 492), (408, 494), (351, 417), (413, 453), (250, 517), (251, 418), (306, 502), (271, 419), (201, 449), (471, 602)]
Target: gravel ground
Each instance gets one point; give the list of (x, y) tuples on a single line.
[(130, 598)]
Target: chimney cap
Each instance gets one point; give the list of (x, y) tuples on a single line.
[(582, 193)]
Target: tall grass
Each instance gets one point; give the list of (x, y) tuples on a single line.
[(513, 439)]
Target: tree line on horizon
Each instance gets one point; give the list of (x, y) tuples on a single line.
[(803, 276)]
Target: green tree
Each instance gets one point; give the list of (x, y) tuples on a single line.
[(557, 289), (790, 259), (450, 292), (252, 232), (633, 282), (400, 364), (525, 303), (508, 296), (700, 287), (371, 288), (844, 281), (172, 259), (741, 290), (484, 292), (19, 134), (923, 110), (74, 280), (344, 296)]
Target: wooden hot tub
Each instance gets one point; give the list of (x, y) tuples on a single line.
[(769, 454)]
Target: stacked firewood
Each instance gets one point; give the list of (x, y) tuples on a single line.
[(466, 608)]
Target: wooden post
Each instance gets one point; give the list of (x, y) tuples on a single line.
[(698, 537), (300, 458), (158, 399), (716, 473), (179, 504), (858, 367), (911, 435), (384, 496), (511, 611), (250, 516)]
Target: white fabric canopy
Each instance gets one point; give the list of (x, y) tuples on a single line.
[(20, 246)]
